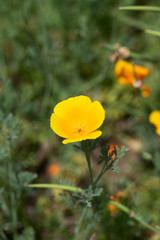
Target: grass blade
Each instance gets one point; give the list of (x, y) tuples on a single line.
[(155, 33), (134, 215), (55, 186), (140, 8)]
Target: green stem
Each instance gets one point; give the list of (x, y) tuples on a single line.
[(100, 175), (3, 236), (55, 186), (152, 32), (12, 196), (134, 215), (140, 8), (87, 154), (80, 222)]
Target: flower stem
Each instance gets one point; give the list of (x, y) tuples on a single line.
[(100, 175), (80, 222), (134, 216), (87, 154), (13, 207), (89, 166), (55, 186)]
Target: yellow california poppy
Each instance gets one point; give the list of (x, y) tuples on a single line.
[(154, 118), (77, 119), (133, 75)]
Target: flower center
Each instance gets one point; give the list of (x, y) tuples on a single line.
[(80, 130)]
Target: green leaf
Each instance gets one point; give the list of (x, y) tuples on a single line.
[(140, 8), (87, 195), (3, 154), (28, 234), (134, 215), (56, 186), (122, 151), (117, 148), (25, 178), (10, 127), (3, 205), (116, 169), (152, 32)]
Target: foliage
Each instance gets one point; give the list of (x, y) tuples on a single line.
[(53, 50)]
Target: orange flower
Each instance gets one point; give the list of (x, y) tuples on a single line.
[(53, 169), (145, 91), (133, 75), (112, 147), (112, 208), (154, 118), (77, 119)]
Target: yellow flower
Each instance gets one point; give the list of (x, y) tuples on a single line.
[(133, 75), (154, 118), (77, 119)]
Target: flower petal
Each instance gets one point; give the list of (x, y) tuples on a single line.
[(96, 116), (60, 126), (141, 72), (145, 90), (92, 135), (81, 112), (154, 118), (158, 130), (68, 108)]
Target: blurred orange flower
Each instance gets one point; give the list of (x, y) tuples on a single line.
[(112, 147), (53, 169), (154, 118), (77, 119), (112, 208), (133, 75)]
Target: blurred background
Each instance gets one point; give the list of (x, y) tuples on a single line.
[(52, 50)]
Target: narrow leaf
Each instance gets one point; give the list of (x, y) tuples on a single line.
[(140, 8), (134, 215), (56, 186), (155, 33)]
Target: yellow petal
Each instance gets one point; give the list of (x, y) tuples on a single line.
[(81, 112), (67, 108), (122, 80), (154, 118), (141, 72), (119, 67), (96, 116), (77, 118), (92, 135), (127, 73), (158, 130), (60, 126)]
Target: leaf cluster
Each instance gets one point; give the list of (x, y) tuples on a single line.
[(13, 182), (86, 196), (86, 145), (111, 158)]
